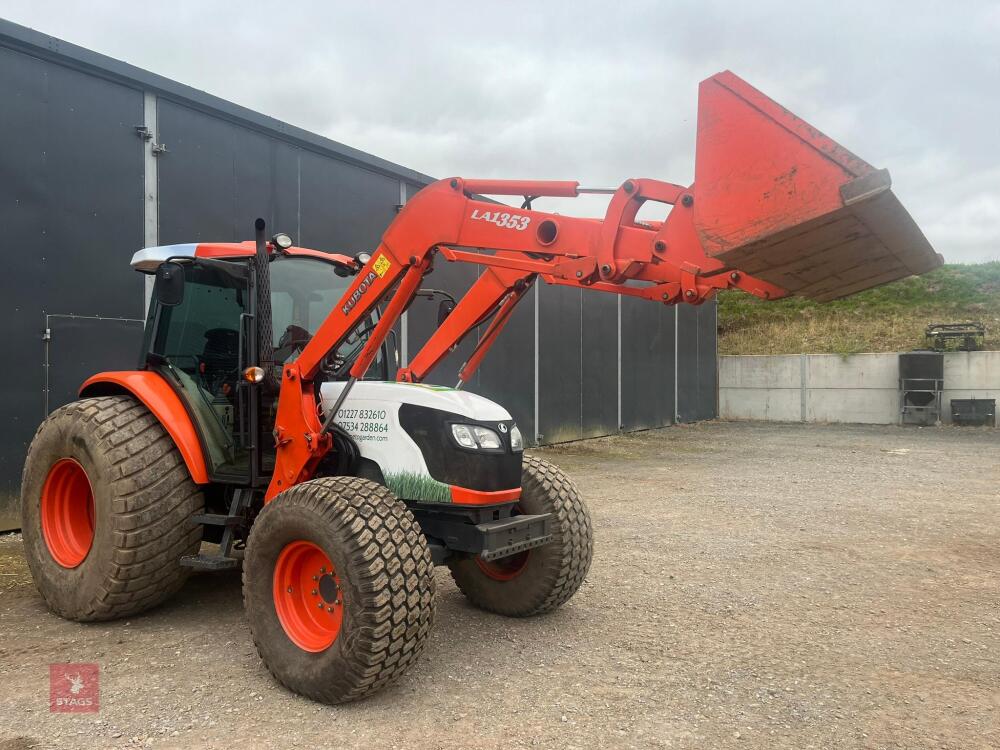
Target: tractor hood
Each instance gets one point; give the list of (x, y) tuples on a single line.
[(431, 396)]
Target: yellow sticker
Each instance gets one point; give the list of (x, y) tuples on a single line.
[(382, 265)]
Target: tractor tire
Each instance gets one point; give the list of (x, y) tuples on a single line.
[(106, 504), (338, 585), (543, 578)]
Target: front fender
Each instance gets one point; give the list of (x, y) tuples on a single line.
[(153, 391)]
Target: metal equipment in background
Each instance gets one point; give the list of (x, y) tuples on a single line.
[(958, 337), (921, 380), (974, 412)]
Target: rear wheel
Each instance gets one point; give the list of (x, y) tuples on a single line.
[(106, 510), (543, 578), (338, 585)]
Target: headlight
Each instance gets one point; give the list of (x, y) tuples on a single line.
[(282, 241), (463, 436), (516, 441), (487, 438), (474, 437)]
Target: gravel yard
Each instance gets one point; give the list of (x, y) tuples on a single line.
[(753, 586)]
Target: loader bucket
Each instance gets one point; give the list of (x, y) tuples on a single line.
[(776, 198)]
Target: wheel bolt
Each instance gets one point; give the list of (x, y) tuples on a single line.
[(289, 589), (320, 605), (315, 592), (322, 571), (329, 609), (315, 578)]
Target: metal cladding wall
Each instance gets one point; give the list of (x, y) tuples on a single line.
[(81, 189)]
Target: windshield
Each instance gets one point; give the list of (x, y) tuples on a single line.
[(303, 292)]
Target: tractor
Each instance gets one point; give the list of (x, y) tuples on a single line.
[(261, 429)]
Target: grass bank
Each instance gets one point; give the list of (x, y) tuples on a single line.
[(886, 319)]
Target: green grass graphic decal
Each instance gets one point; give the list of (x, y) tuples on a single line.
[(409, 485)]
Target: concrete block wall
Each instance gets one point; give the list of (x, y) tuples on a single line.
[(971, 375), (861, 388)]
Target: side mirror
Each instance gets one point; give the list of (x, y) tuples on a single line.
[(169, 286), (444, 310)]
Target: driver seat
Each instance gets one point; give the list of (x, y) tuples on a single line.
[(220, 358)]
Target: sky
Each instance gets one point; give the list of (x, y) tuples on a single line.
[(592, 91)]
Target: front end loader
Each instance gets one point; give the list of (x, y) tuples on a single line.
[(262, 418)]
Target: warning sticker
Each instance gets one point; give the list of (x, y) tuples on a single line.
[(382, 265)]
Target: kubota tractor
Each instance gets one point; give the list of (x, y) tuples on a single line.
[(260, 417)]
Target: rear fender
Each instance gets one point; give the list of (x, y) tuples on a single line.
[(153, 391)]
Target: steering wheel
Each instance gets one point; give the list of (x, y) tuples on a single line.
[(293, 339)]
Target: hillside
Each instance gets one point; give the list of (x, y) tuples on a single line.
[(889, 318)]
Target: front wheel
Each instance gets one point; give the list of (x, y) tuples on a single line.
[(338, 585), (540, 579)]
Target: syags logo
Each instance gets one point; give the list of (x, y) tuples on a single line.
[(74, 688)]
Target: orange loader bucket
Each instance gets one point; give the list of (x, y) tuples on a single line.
[(781, 201)]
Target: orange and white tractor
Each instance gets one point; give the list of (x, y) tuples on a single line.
[(261, 418)]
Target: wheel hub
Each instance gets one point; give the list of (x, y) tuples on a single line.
[(504, 568), (67, 510), (329, 590), (307, 596)]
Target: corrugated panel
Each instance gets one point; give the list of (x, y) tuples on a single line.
[(647, 364), (344, 208), (599, 357), (696, 367), (559, 364), (71, 213), (215, 179), (88, 345)]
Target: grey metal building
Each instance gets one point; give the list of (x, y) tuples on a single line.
[(99, 158)]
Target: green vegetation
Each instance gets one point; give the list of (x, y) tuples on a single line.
[(412, 486), (889, 318)]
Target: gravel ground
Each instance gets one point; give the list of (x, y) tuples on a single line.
[(753, 586)]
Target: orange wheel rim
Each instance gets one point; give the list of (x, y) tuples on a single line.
[(506, 568), (308, 597), (68, 513)]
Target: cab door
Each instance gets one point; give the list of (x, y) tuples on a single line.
[(199, 344)]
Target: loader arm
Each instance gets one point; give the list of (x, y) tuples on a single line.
[(776, 208)]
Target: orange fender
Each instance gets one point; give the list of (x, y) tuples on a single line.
[(166, 406)]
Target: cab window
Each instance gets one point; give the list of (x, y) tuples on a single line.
[(303, 292)]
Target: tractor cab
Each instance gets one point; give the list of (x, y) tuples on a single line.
[(202, 335)]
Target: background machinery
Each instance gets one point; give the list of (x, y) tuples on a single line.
[(260, 417)]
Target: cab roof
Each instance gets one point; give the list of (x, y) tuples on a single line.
[(149, 259)]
